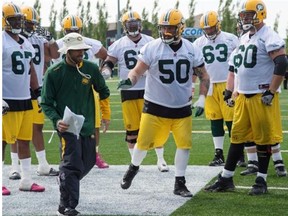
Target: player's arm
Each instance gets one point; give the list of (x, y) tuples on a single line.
[(137, 72), (204, 79), (33, 78), (280, 61), (51, 51), (102, 54)]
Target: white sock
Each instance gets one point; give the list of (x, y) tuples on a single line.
[(181, 161), (218, 142), (25, 165), (41, 156), (227, 173), (264, 176), (97, 149), (160, 153), (138, 156), (276, 153), (131, 151), (251, 156), (14, 161)]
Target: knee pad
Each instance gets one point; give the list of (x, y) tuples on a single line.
[(131, 133)]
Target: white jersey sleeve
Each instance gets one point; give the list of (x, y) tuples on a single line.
[(216, 54), (169, 77), (16, 59), (254, 66), (126, 52)]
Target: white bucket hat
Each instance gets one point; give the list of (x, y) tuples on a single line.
[(73, 41)]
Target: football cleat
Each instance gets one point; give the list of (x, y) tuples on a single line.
[(218, 159), (280, 168), (162, 166), (15, 176), (252, 168), (259, 188), (5, 191), (221, 185), (180, 187), (129, 176)]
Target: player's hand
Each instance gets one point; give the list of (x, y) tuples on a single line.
[(106, 73), (199, 105), (5, 107), (124, 84), (105, 125), (62, 126), (228, 98), (267, 97)]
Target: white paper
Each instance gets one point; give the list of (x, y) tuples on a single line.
[(74, 121)]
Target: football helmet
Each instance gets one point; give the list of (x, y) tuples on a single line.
[(72, 23), (252, 13), (171, 26), (132, 24), (210, 24), (12, 18), (31, 20)]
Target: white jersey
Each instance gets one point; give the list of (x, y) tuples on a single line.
[(126, 52), (254, 66), (169, 77), (16, 60), (38, 43), (216, 54), (88, 55)]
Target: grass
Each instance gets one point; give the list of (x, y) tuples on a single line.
[(114, 150)]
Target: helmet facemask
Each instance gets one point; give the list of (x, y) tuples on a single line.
[(14, 24), (29, 28), (169, 33), (133, 27), (248, 20), (211, 32)]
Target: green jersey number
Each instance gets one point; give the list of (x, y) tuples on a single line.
[(243, 57), (182, 65), (17, 61), (210, 57), (130, 60)]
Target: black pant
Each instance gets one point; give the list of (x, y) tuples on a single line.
[(78, 156)]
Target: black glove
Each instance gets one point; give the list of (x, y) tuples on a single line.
[(228, 98), (124, 84), (267, 97)]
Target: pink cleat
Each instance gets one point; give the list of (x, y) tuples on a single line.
[(34, 188), (5, 191), (100, 163)]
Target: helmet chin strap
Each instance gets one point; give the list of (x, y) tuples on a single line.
[(87, 76)]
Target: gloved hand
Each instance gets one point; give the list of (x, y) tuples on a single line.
[(45, 33), (106, 73), (228, 98), (124, 84), (267, 97), (5, 107), (199, 105)]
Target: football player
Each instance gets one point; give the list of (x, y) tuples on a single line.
[(44, 51), (73, 23), (250, 147), (216, 46), (125, 51), (18, 76), (260, 63), (169, 63)]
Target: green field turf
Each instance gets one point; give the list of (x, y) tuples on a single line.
[(114, 151)]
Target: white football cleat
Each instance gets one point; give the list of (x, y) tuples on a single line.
[(162, 166)]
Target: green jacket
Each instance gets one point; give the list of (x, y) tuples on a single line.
[(64, 86)]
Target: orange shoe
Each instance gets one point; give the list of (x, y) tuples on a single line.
[(5, 191), (100, 163), (34, 188)]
